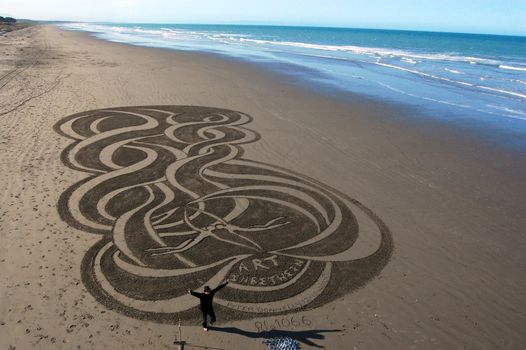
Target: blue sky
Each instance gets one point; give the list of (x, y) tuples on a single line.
[(474, 16)]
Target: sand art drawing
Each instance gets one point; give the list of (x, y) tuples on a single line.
[(176, 205)]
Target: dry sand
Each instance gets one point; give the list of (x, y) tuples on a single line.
[(453, 202)]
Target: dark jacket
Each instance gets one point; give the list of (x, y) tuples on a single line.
[(206, 299)]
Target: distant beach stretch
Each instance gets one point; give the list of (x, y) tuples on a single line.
[(450, 76)]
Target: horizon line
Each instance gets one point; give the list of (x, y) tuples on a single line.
[(283, 25)]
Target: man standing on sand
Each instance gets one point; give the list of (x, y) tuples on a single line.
[(206, 306)]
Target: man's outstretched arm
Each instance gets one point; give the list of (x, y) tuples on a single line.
[(195, 294), (220, 286)]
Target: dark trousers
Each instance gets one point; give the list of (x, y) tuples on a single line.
[(206, 313)]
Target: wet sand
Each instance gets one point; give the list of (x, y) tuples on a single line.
[(453, 203)]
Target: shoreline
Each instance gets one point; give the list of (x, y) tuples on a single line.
[(452, 201), (505, 131)]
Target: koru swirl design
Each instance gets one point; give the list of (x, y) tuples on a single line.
[(177, 206)]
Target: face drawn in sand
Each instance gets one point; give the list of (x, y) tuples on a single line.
[(176, 205)]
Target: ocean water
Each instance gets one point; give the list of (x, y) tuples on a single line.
[(479, 79)]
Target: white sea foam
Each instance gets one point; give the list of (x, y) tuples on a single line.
[(427, 62), (409, 60), (458, 82), (379, 52), (406, 56), (523, 69), (423, 97), (513, 114), (454, 71), (502, 91), (508, 110)]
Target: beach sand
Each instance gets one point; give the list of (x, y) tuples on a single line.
[(452, 200)]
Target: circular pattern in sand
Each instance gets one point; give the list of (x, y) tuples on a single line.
[(177, 206)]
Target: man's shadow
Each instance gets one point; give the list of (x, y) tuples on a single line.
[(300, 336)]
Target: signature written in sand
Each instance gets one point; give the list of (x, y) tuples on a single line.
[(286, 322)]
